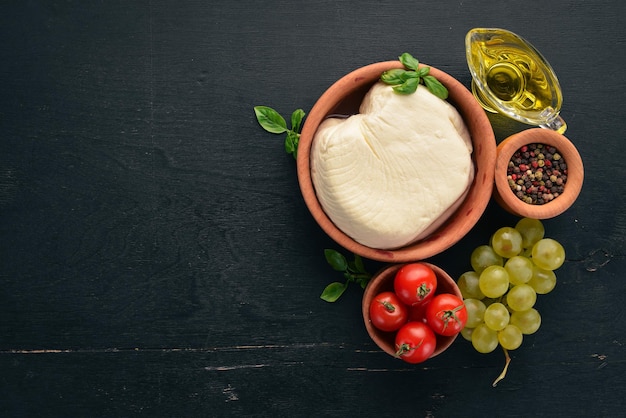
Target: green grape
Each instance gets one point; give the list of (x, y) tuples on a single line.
[(494, 281), (532, 230), (496, 316), (484, 339), (543, 281), (520, 269), (475, 312), (483, 257), (510, 337), (548, 254), (467, 333), (507, 242), (521, 297), (527, 321), (501, 291), (468, 285), (489, 301)]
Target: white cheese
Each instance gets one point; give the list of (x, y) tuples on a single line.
[(393, 173)]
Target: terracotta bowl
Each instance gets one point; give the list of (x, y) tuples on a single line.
[(507, 198), (344, 97), (383, 281)]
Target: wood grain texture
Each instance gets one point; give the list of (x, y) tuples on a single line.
[(157, 258)]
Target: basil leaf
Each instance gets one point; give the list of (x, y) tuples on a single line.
[(408, 87), (408, 75), (270, 120), (353, 271), (333, 291), (296, 119), (358, 264), (423, 71), (406, 81), (393, 76), (435, 87), (336, 260), (291, 143), (409, 61)]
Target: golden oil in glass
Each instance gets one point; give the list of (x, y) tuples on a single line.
[(511, 77)]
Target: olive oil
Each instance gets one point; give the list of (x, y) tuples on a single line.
[(510, 76)]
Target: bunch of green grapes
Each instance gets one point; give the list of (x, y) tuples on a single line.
[(501, 290)]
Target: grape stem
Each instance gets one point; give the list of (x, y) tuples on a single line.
[(506, 368)]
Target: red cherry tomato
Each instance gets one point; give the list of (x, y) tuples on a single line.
[(415, 342), (415, 283), (387, 312), (446, 314)]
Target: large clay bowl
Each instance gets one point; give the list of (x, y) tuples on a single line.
[(344, 97)]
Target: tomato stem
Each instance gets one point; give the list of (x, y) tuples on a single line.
[(406, 347), (388, 306), (447, 314), (422, 291), (507, 361)]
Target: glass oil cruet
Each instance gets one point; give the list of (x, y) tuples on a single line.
[(511, 77)]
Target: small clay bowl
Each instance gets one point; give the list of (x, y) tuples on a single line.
[(575, 174), (344, 97), (382, 282)]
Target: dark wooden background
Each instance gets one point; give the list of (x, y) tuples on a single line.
[(157, 258)]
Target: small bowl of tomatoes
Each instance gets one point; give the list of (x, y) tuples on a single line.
[(413, 311)]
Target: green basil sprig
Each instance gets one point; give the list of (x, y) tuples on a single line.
[(353, 271), (273, 122), (406, 81)]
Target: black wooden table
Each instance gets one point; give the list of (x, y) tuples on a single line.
[(157, 258)]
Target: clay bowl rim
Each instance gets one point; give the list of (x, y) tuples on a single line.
[(383, 281), (575, 177), (464, 219)]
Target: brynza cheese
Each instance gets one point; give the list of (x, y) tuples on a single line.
[(393, 173)]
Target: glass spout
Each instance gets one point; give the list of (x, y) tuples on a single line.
[(509, 76), (556, 123)]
